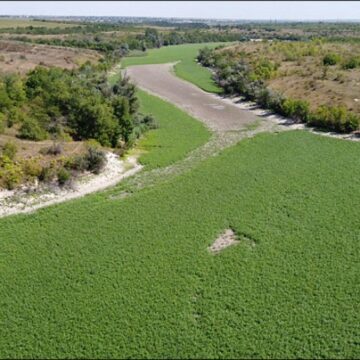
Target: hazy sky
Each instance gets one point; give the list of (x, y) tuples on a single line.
[(292, 10)]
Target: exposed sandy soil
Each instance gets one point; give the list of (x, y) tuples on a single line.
[(21, 57), (25, 201), (212, 110), (226, 239)]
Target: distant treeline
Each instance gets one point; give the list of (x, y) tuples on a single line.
[(150, 38)]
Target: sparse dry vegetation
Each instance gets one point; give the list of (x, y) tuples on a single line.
[(19, 57)]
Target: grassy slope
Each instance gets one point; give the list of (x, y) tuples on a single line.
[(133, 278), (187, 69), (177, 135), (9, 23)]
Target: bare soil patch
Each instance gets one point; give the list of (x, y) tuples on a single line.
[(302, 75), (21, 57), (226, 239), (27, 149)]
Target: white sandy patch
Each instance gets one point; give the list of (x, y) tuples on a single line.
[(28, 200), (226, 239)]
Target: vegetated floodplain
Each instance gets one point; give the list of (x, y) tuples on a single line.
[(187, 69), (11, 23), (177, 133), (133, 277)]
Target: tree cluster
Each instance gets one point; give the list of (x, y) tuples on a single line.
[(80, 104)]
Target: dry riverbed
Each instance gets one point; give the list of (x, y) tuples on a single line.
[(220, 114), (216, 113)]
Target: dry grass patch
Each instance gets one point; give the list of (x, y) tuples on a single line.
[(21, 57), (301, 73)]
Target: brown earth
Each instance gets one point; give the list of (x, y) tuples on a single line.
[(27, 149), (216, 113), (301, 73), (21, 57)]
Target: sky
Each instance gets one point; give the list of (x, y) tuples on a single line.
[(264, 10)]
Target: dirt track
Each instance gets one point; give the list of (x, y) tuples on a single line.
[(218, 114)]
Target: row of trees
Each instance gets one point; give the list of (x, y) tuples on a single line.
[(249, 80), (150, 38)]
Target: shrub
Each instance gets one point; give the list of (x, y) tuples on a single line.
[(54, 149), (2, 123), (352, 63), (276, 102), (11, 173), (10, 150), (31, 168), (265, 69), (205, 57), (14, 116), (331, 59), (297, 110), (335, 118), (31, 130), (96, 160), (352, 123), (79, 163), (150, 122), (47, 174), (263, 98), (63, 176)]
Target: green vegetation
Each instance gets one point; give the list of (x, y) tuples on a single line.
[(238, 73), (14, 24), (331, 59), (78, 103), (177, 135), (187, 69), (121, 39), (133, 277), (352, 63)]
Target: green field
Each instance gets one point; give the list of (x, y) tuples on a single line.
[(111, 277), (186, 69), (11, 23), (133, 278), (177, 134)]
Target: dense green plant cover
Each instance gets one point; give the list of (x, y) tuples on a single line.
[(177, 133), (120, 278), (187, 68), (81, 103)]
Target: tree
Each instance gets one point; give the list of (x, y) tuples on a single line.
[(153, 38), (122, 113)]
